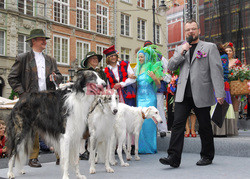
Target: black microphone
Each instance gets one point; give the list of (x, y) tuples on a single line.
[(189, 40)]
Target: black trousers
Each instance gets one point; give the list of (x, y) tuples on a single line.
[(182, 111), (170, 113)]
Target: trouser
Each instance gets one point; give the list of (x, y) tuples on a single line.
[(170, 112), (35, 152), (182, 111), (162, 127)]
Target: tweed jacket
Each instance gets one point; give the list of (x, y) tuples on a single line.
[(23, 74), (206, 74)]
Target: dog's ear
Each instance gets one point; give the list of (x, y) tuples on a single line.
[(80, 82)]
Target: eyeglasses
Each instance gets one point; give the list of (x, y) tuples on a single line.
[(193, 29)]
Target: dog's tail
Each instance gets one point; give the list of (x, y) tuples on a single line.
[(11, 135), (16, 134)]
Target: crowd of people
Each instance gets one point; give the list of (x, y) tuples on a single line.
[(202, 81)]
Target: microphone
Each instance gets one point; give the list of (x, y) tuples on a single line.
[(189, 40)]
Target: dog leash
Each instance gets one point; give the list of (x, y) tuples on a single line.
[(93, 108), (53, 80)]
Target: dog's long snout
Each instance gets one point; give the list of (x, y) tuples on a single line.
[(115, 111)]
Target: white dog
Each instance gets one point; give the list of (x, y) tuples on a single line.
[(59, 116), (101, 124), (129, 120)]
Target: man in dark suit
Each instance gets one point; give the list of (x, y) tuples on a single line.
[(33, 72), (201, 77)]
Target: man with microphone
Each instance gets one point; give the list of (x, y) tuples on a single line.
[(200, 81)]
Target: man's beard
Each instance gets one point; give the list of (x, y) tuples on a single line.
[(195, 38)]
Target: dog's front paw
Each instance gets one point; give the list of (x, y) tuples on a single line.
[(113, 162), (22, 172), (137, 158), (65, 176), (110, 170), (92, 170), (125, 165), (10, 175), (129, 158), (81, 177)]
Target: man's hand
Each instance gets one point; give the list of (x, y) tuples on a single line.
[(220, 100), (132, 76), (117, 86), (54, 75), (185, 47)]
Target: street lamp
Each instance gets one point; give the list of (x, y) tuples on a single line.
[(71, 74), (162, 9)]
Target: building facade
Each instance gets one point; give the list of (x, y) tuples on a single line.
[(74, 26), (133, 25)]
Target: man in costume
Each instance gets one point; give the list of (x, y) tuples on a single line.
[(118, 73)]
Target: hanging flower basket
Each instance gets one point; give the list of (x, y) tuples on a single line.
[(239, 88)]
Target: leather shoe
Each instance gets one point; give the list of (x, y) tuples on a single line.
[(204, 161), (58, 161), (163, 134), (169, 161), (34, 163)]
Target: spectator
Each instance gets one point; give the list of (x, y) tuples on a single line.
[(162, 127), (119, 75), (3, 148), (149, 73), (229, 125), (34, 71), (90, 62), (193, 121)]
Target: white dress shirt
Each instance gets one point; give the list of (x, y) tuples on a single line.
[(130, 71), (41, 71)]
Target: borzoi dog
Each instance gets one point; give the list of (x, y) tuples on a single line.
[(58, 116), (129, 120), (101, 124)]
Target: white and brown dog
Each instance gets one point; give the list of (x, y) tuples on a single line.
[(129, 121)]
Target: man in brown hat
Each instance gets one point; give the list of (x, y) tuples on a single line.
[(32, 72)]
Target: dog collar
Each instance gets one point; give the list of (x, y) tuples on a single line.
[(143, 115)]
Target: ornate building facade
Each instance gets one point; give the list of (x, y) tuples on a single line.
[(74, 26)]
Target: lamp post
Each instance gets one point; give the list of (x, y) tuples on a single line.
[(71, 74), (162, 9)]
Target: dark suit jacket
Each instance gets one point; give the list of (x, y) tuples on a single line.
[(23, 74)]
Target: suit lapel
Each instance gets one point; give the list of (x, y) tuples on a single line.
[(33, 63), (198, 48)]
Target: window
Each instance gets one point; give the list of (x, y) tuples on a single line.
[(2, 44), (22, 45), (141, 3), (61, 49), (2, 4), (61, 10), (82, 49), (102, 20), (157, 34), (25, 6), (125, 1), (65, 78), (125, 54), (125, 21), (83, 14), (99, 50), (141, 29)]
